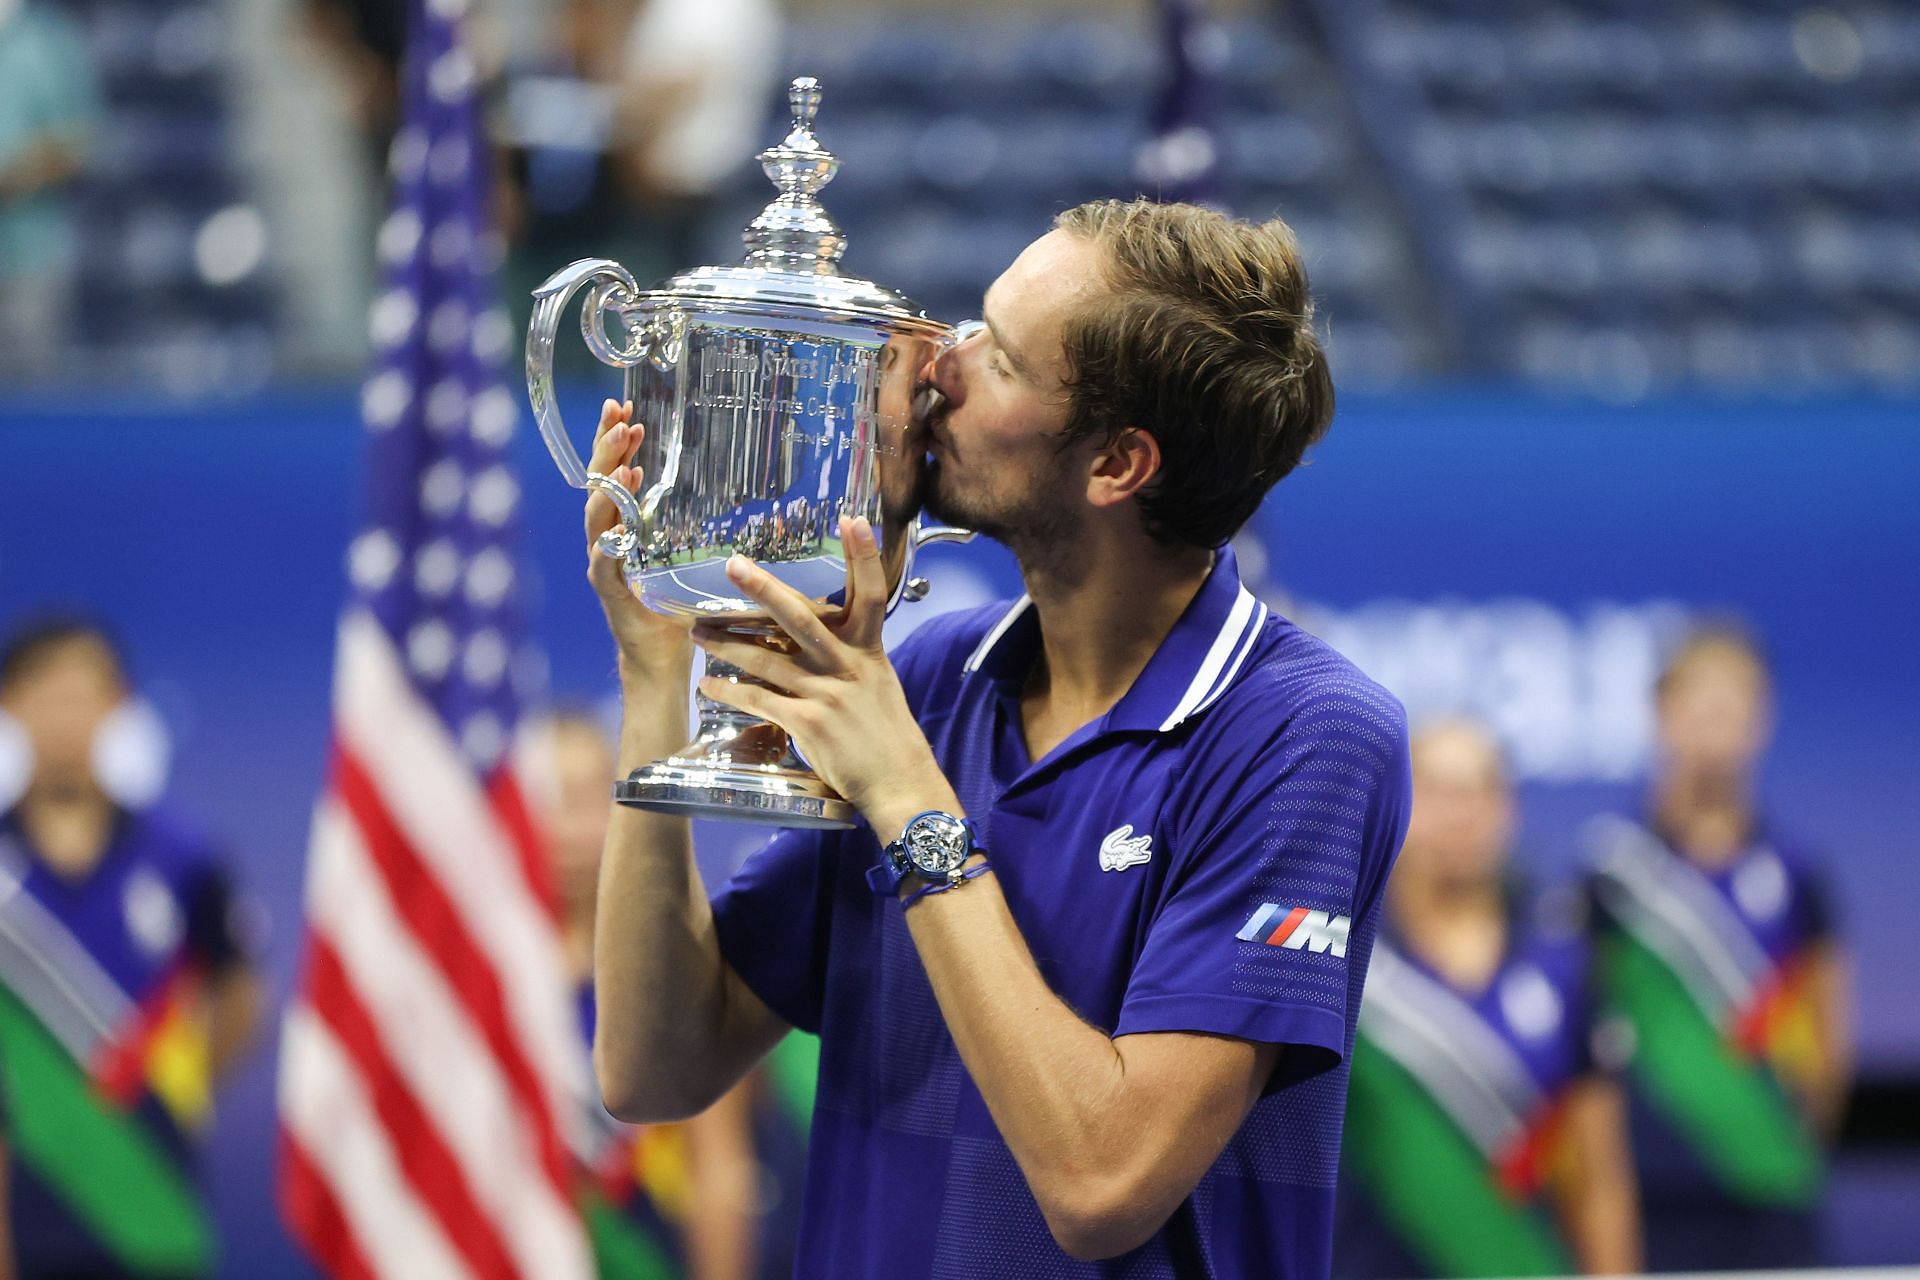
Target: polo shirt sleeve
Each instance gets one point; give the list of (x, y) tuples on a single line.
[(1281, 847), (773, 919)]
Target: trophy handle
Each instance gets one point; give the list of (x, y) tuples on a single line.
[(925, 533), (613, 286), (915, 589)]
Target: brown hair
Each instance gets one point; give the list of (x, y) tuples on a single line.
[(26, 650), (1722, 637), (1205, 340)]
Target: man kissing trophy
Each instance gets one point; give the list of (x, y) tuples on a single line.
[(778, 396)]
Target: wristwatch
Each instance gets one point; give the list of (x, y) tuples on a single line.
[(933, 846)]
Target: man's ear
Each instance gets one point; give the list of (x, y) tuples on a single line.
[(1123, 468)]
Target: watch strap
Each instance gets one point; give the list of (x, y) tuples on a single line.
[(954, 880)]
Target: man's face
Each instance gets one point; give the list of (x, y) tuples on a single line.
[(995, 462), (61, 701), (1463, 817), (1714, 717)]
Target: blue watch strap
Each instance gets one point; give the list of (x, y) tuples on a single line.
[(954, 881)]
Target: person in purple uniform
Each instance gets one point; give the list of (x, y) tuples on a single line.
[(1484, 1134), (1718, 947), (127, 988), (1086, 976)]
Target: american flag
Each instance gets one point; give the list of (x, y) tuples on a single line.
[(431, 1064)]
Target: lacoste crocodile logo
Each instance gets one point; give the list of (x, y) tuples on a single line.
[(1122, 849)]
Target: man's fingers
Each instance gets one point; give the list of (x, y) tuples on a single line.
[(754, 699), (777, 668), (866, 583), (793, 612)]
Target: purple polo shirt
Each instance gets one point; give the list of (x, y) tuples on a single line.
[(1206, 857)]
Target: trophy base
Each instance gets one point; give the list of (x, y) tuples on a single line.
[(764, 794)]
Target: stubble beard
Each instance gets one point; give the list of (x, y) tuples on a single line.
[(1039, 526)]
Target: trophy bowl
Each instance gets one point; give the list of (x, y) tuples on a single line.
[(778, 395)]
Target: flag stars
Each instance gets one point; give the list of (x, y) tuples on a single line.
[(492, 334), (442, 487), (483, 738), (430, 648), (451, 76), (450, 328), (446, 406), (408, 154), (494, 497), (437, 569), (494, 417), (485, 659), (384, 400), (372, 559), (399, 237), (392, 318), (489, 578)]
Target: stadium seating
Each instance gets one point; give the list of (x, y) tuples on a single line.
[(1607, 194)]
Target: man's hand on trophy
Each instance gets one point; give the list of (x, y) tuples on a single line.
[(835, 690), (651, 646)]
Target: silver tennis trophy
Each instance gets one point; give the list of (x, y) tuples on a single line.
[(777, 396)]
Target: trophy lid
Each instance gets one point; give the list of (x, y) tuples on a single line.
[(793, 246)]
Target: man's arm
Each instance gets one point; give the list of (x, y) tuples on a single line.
[(1597, 1200), (1830, 995), (1111, 1133), (234, 1001), (678, 1026)]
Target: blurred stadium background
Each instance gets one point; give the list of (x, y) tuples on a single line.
[(1623, 299)]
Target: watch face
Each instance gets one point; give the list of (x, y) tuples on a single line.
[(936, 844)]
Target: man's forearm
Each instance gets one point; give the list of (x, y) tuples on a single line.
[(659, 979)]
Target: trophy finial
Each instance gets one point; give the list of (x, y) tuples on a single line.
[(794, 232), (803, 95)]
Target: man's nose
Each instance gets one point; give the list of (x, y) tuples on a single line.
[(943, 371)]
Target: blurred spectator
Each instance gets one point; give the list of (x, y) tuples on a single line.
[(1718, 949), (621, 146), (1483, 1138), (126, 989), (694, 96), (685, 1192), (48, 101), (367, 39)]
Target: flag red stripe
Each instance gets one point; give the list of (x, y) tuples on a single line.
[(318, 1222), (422, 903), (510, 806), (432, 1169)]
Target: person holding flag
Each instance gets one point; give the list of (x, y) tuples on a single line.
[(1484, 1135), (431, 1069), (127, 987), (1718, 949)]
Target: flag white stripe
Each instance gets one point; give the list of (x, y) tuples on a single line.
[(437, 804), (447, 1066), (327, 1112)]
